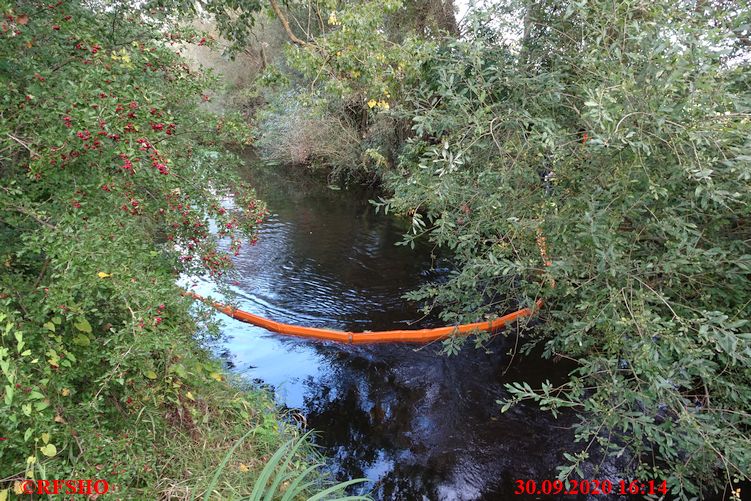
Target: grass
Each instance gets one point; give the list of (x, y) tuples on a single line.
[(285, 479), (229, 443), (238, 433)]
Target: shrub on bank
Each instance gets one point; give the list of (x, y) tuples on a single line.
[(107, 188)]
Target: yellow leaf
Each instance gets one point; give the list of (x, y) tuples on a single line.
[(31, 460), (217, 376), (48, 450), (4, 495), (244, 468), (102, 274), (150, 374), (65, 392), (46, 438), (189, 395)]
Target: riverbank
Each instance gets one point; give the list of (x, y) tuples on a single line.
[(108, 190)]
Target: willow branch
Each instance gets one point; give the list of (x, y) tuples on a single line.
[(285, 24)]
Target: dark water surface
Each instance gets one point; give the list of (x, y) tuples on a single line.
[(420, 425)]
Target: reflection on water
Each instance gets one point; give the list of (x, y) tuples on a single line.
[(421, 426)]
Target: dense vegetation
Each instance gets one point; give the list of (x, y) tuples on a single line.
[(618, 132), (615, 135), (109, 177)]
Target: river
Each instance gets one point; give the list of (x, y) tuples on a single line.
[(420, 425)]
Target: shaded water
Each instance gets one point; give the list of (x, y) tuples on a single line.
[(420, 425)]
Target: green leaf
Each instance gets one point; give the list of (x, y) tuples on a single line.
[(179, 369), (81, 340), (83, 325)]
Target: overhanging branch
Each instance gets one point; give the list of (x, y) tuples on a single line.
[(285, 24)]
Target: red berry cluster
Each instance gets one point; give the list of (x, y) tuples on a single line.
[(127, 165)]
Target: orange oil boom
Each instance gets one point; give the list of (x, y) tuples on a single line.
[(395, 336)]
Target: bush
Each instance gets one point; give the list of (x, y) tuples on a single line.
[(293, 134), (627, 147), (110, 178)]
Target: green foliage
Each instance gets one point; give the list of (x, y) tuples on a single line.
[(619, 131), (327, 102), (286, 478), (359, 59), (110, 179)]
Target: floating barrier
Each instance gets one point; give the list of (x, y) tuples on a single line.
[(373, 337), (367, 337)]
